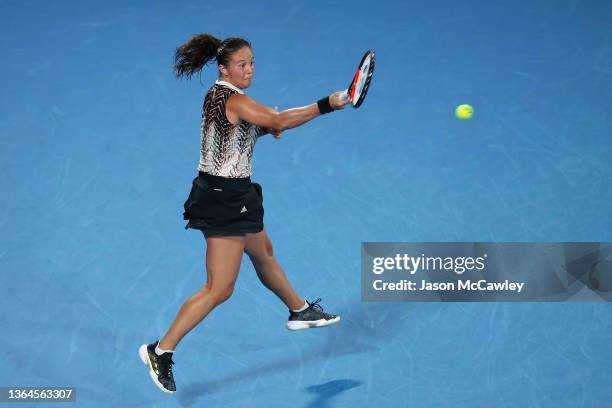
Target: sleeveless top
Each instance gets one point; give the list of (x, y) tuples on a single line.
[(226, 150)]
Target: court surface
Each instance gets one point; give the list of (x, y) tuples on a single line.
[(99, 144)]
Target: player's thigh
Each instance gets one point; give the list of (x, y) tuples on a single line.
[(259, 246), (223, 258)]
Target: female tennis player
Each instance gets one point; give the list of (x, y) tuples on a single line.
[(223, 203)]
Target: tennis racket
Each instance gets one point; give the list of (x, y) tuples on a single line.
[(358, 89)]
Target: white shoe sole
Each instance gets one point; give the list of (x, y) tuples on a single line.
[(144, 356), (300, 324)]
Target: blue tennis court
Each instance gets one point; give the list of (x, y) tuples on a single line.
[(99, 145)]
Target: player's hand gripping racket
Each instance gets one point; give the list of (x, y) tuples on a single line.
[(358, 89)]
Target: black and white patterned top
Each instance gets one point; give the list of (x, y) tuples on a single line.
[(226, 149)]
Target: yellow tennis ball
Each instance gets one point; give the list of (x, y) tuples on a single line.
[(464, 112)]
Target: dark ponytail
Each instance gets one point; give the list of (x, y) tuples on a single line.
[(192, 56)]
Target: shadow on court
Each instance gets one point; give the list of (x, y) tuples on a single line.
[(325, 392), (347, 338)]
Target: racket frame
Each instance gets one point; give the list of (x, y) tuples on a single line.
[(357, 77)]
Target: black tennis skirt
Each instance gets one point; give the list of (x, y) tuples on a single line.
[(221, 206)]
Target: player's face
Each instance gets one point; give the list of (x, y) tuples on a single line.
[(240, 69)]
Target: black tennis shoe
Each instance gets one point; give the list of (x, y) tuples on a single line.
[(160, 367), (312, 316)]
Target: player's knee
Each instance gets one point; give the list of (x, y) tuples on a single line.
[(263, 255), (221, 294), (268, 248)]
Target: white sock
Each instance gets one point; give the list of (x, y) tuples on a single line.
[(159, 351), (302, 308)]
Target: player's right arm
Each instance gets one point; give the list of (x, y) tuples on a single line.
[(242, 107)]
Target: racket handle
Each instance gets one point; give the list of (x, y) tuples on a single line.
[(344, 95)]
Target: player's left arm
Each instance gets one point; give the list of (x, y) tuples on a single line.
[(245, 108), (339, 101)]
